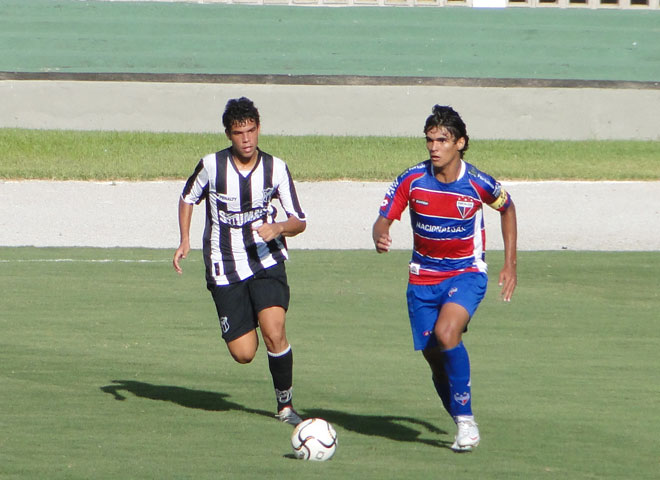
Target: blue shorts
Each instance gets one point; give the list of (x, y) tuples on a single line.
[(425, 302)]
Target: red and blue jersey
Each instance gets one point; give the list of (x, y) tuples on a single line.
[(449, 235)]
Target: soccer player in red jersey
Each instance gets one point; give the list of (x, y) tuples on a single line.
[(447, 274)]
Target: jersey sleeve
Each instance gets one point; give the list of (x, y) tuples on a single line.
[(286, 191), (491, 192), (398, 194), (502, 199), (197, 186)]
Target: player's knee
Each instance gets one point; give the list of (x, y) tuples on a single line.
[(447, 338), (277, 342), (244, 348), (242, 357), (241, 353)]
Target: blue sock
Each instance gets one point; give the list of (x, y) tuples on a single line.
[(442, 387), (457, 367)]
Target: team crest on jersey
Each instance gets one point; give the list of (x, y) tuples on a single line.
[(268, 194), (224, 324), (464, 206)]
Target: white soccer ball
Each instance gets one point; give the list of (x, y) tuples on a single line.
[(314, 439)]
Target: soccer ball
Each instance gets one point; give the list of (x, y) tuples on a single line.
[(314, 439)]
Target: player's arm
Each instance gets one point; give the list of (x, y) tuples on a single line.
[(381, 234), (394, 203), (291, 227), (508, 277), (185, 216), (295, 222)]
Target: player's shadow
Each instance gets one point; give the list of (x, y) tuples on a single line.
[(398, 428), (186, 397)]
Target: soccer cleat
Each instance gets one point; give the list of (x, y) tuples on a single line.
[(288, 415), (467, 436)]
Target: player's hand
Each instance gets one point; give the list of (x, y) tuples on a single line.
[(268, 231), (383, 243), (181, 253), (508, 281)]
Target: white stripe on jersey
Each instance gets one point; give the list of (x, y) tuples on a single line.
[(479, 247)]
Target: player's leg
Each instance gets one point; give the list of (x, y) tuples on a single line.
[(448, 331), (237, 320), (464, 295), (273, 330), (449, 328), (424, 302), (280, 361), (467, 435), (423, 305), (270, 296), (452, 321), (434, 358), (244, 348)]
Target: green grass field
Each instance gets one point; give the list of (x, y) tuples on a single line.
[(76, 155), (112, 366)]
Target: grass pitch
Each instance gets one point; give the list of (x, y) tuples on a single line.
[(94, 155), (112, 366)]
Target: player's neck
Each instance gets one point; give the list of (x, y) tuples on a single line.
[(244, 164), (448, 173)]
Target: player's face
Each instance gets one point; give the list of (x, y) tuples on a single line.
[(244, 139), (444, 149)]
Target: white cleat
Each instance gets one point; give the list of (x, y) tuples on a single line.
[(467, 436), (457, 449), (288, 415)]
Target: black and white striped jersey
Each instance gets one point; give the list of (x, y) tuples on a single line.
[(234, 203)]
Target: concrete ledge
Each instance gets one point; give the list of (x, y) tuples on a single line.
[(390, 110)]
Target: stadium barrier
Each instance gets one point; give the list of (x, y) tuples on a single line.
[(589, 4)]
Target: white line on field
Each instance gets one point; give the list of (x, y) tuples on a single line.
[(74, 260)]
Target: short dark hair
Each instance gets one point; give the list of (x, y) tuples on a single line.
[(447, 117), (238, 111)]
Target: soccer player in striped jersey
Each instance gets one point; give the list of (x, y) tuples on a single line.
[(447, 274), (244, 246)]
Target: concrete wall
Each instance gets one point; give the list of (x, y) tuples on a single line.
[(391, 110)]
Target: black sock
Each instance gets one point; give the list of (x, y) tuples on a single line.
[(281, 369)]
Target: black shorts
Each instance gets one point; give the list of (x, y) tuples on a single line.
[(239, 303)]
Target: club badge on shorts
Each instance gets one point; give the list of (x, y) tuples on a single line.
[(224, 324)]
